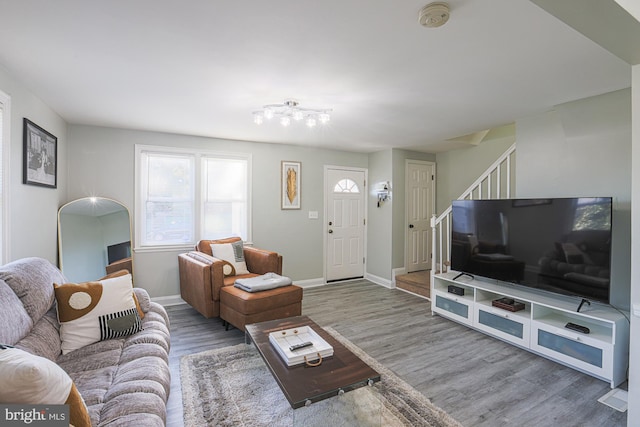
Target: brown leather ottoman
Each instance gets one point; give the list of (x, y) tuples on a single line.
[(241, 308)]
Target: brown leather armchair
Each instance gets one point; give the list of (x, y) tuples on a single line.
[(202, 277)]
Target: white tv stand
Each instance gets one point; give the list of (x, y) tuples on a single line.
[(540, 327)]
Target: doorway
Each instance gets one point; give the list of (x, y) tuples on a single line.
[(345, 226), (420, 207)]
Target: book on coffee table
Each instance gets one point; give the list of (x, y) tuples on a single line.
[(300, 345)]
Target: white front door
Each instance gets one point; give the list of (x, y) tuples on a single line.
[(420, 184), (345, 227)]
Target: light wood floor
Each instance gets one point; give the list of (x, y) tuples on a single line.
[(478, 380)]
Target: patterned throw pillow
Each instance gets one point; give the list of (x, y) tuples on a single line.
[(31, 379), (232, 253), (96, 311), (135, 299)]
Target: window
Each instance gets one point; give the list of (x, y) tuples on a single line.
[(5, 143), (346, 186), (183, 196), (224, 197)]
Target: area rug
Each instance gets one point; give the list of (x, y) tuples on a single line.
[(232, 386)]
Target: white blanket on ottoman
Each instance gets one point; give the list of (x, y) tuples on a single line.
[(262, 283)]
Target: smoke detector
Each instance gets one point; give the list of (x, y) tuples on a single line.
[(434, 14)]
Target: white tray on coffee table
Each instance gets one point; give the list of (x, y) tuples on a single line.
[(282, 340)]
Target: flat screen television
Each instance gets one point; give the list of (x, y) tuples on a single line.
[(560, 245), (118, 251)]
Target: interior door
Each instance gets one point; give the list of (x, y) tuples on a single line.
[(420, 184), (345, 226)]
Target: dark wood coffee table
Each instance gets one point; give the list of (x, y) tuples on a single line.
[(303, 385)]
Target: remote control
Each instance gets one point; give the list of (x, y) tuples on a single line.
[(301, 345), (578, 328)]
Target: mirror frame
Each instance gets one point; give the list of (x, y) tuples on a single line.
[(93, 200)]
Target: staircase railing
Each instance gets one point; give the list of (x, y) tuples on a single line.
[(497, 182)]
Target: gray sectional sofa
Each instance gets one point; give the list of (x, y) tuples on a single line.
[(123, 381)]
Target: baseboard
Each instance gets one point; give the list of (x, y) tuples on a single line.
[(379, 281), (397, 272), (168, 300)]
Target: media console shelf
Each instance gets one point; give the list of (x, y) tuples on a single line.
[(540, 326)]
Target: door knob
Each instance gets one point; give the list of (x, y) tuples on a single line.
[(410, 225), (330, 231)]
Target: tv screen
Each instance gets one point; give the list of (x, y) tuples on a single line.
[(561, 245), (118, 251)]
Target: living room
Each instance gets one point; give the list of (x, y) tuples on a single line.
[(577, 147)]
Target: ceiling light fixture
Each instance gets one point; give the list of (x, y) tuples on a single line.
[(434, 14), (290, 110)]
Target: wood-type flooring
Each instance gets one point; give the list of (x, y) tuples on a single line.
[(478, 380)]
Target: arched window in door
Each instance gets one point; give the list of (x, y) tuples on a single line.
[(346, 186)]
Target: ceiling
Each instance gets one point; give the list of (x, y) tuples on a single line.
[(200, 67)]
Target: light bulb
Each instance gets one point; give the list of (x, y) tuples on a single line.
[(311, 122), (258, 118), (324, 117), (285, 121), (298, 115), (268, 113)]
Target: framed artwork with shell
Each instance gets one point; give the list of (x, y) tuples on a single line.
[(290, 184)]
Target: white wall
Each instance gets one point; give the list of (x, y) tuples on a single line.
[(386, 231), (32, 210), (583, 149), (457, 169), (380, 218), (102, 164)]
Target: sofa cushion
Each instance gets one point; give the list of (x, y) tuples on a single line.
[(31, 279), (125, 381), (233, 253), (13, 313), (27, 378), (44, 339), (95, 311)]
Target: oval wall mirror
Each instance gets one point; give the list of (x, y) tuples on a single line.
[(94, 238)]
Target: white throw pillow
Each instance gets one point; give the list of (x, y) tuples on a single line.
[(232, 253), (95, 311), (27, 378)]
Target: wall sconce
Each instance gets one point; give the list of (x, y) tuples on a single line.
[(384, 190)]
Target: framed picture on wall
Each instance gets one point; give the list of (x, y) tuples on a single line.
[(290, 185), (40, 156)]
